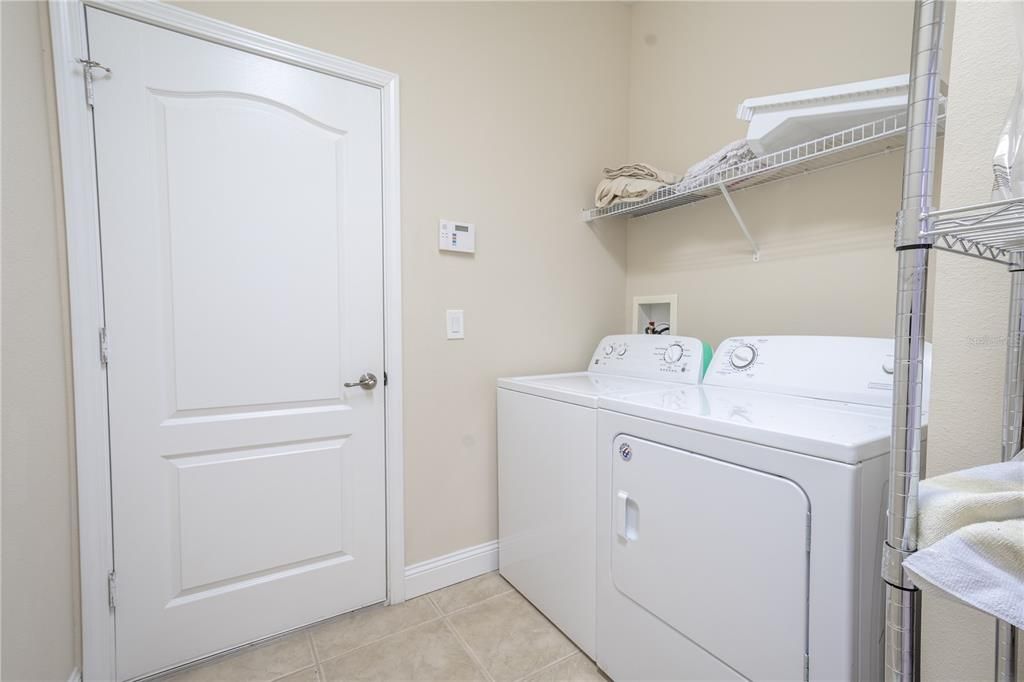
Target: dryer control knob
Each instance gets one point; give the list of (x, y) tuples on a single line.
[(609, 349), (622, 351), (673, 353), (743, 356)]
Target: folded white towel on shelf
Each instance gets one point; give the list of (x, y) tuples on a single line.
[(732, 154), (624, 189), (642, 171), (971, 538)]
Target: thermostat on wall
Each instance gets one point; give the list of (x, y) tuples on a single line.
[(457, 237)]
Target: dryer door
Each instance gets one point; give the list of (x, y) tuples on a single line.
[(716, 551)]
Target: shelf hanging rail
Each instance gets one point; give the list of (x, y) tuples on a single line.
[(992, 231), (846, 146)]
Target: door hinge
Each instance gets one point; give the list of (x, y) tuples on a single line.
[(87, 66), (112, 590), (104, 347), (807, 667), (385, 378), (808, 533)]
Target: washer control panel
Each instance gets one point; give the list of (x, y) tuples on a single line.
[(652, 356), (846, 368)]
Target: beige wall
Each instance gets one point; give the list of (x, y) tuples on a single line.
[(827, 261), (507, 109), (970, 304), (40, 639)]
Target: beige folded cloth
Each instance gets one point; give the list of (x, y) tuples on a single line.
[(624, 189), (642, 171)]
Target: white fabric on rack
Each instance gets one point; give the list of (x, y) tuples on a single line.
[(731, 154), (971, 538)]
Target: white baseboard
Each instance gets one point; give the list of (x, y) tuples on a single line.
[(75, 676), (449, 569)]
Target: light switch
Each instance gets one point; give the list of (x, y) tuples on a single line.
[(456, 326)]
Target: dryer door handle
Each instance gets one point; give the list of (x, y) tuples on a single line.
[(627, 514)]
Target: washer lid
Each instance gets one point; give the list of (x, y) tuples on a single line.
[(839, 431), (580, 388)]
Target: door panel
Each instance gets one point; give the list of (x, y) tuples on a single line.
[(257, 243), (716, 551), (240, 205), (276, 490)]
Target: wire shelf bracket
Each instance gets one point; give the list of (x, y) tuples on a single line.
[(739, 220)]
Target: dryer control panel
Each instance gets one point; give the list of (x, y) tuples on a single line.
[(681, 359), (847, 368)]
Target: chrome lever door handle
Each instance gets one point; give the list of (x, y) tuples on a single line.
[(367, 381)]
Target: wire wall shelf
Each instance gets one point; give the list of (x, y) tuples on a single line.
[(852, 144), (993, 231)]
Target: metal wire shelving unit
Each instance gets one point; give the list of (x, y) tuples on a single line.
[(993, 232)]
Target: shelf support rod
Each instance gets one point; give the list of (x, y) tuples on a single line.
[(902, 658), (739, 219), (1007, 665)]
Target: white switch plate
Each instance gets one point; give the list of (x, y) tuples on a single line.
[(455, 324), (456, 236)]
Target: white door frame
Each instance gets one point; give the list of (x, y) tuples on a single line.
[(68, 32)]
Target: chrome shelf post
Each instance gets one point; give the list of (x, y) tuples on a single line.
[(1006, 664), (913, 244)]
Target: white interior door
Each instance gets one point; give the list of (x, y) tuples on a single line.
[(241, 221)]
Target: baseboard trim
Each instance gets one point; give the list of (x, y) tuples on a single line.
[(75, 676), (449, 569)]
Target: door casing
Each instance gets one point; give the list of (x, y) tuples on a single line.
[(68, 33)]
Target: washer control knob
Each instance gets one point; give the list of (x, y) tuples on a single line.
[(673, 353), (743, 356), (622, 350), (609, 349), (888, 366)]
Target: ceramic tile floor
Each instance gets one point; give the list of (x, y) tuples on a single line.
[(480, 629)]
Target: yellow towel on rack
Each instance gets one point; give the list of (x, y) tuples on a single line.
[(642, 171), (971, 538), (624, 189)]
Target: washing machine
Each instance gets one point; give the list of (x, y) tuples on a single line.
[(547, 469), (740, 522)]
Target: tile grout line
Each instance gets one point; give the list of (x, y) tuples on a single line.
[(312, 646), (381, 639), (468, 649), (478, 603), (295, 672), (319, 671), (552, 664)]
